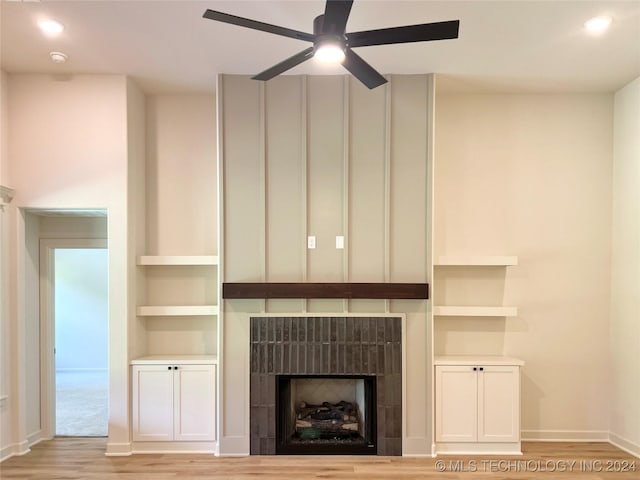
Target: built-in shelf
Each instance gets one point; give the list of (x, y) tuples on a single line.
[(177, 311), (453, 311), (476, 260), (181, 359), (178, 260)]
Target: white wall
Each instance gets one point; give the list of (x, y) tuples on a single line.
[(68, 149), (625, 270), (181, 194), (530, 175)]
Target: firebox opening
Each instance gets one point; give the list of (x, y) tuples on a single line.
[(326, 414)]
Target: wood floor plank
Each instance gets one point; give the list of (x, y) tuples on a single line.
[(84, 459)]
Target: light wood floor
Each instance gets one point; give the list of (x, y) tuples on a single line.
[(83, 458)]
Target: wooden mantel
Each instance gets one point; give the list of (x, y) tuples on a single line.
[(326, 290)]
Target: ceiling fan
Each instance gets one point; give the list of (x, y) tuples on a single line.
[(332, 43)]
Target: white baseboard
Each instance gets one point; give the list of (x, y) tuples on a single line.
[(173, 447), (36, 437), (14, 449), (564, 436), (118, 449), (479, 448), (624, 444)]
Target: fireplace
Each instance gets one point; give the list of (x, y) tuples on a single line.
[(361, 355), (326, 414)]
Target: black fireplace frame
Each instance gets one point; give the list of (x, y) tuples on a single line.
[(285, 447)]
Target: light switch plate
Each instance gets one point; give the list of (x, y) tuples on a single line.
[(339, 241), (311, 241)]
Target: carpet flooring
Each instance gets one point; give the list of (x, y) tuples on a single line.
[(82, 403)]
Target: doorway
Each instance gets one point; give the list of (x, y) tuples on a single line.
[(75, 335), (81, 341)]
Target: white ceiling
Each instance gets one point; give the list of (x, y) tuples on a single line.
[(167, 47)]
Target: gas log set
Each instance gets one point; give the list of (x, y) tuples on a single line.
[(327, 421)]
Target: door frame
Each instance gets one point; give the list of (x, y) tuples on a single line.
[(47, 324)]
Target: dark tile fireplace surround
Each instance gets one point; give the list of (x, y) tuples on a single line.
[(321, 347)]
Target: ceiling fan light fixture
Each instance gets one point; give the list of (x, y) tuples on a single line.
[(329, 52)]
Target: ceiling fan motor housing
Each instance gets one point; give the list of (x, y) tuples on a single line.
[(323, 37)]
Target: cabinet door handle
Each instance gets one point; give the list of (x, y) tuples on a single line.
[(475, 368), (482, 369), (169, 368), (175, 368)]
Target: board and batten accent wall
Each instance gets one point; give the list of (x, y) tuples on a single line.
[(324, 156)]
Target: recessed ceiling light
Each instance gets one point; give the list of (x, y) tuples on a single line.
[(58, 57), (50, 27), (597, 25)]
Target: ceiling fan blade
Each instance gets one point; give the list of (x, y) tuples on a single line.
[(336, 13), (362, 70), (410, 33), (285, 65), (255, 25)]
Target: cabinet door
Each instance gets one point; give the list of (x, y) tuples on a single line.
[(152, 403), (499, 404), (194, 399), (456, 404)]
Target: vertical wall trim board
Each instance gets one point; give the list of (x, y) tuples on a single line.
[(431, 99), (346, 179), (220, 407), (264, 245), (304, 157), (387, 185), (221, 179)]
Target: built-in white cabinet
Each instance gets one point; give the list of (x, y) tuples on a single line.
[(477, 407), (174, 399)]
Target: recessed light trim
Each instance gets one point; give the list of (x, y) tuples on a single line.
[(50, 27), (58, 57), (598, 25)]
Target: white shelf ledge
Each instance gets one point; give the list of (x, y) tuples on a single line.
[(177, 311), (179, 359), (178, 260), (477, 360), (452, 311), (476, 260)]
